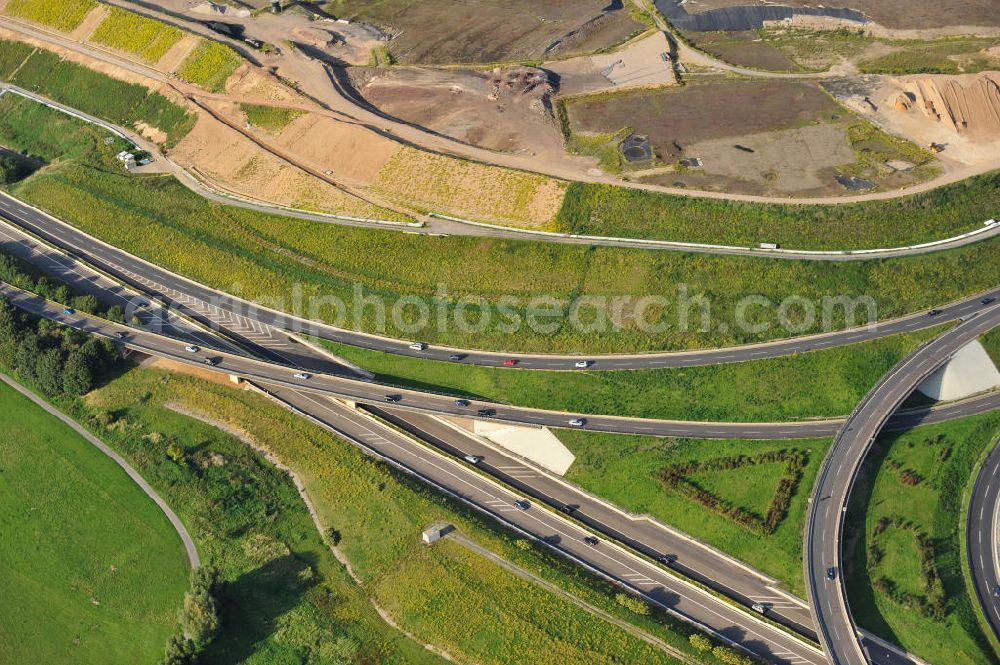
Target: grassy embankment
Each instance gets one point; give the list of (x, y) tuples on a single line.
[(815, 384), (906, 577), (90, 91), (940, 213), (631, 471), (93, 571), (444, 595), (265, 257)]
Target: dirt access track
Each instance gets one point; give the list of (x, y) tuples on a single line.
[(892, 14), (470, 32)]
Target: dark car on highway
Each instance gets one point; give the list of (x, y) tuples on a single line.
[(831, 573), (392, 399), (590, 540)]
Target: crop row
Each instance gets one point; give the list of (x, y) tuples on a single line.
[(63, 15), (148, 38)]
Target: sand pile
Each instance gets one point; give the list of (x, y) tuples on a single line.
[(968, 104)]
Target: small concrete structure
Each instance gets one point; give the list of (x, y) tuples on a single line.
[(436, 532), (535, 444), (970, 371)]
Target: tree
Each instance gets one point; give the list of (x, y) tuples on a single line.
[(26, 355), (200, 616), (180, 651), (48, 371), (87, 303), (78, 374), (115, 313)]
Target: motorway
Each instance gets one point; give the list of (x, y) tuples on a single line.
[(982, 538), (174, 288), (823, 551), (655, 583), (694, 560)]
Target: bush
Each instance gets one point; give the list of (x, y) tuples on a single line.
[(700, 642), (637, 605)]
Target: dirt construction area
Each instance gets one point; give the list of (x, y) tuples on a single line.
[(893, 14), (468, 31), (503, 109), (640, 64), (675, 118)]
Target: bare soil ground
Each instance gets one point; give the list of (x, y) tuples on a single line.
[(469, 105), (960, 113), (231, 161), (466, 31), (895, 14), (742, 48), (798, 161), (703, 112)]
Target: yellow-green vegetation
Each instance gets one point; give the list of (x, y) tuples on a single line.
[(815, 384), (209, 65), (145, 37), (269, 118), (63, 15), (457, 187), (739, 481), (905, 569), (444, 595), (93, 570)]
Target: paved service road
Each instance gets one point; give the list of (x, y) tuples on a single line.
[(823, 555), (176, 289), (983, 538)]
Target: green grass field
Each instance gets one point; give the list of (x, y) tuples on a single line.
[(65, 137), (145, 37), (91, 92), (247, 516), (93, 571), (624, 470), (63, 15), (209, 65), (914, 484), (940, 213), (819, 383)]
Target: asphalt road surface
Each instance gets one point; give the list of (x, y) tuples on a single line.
[(823, 555), (983, 538), (173, 288)]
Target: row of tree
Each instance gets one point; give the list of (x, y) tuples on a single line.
[(53, 358), (198, 622)]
